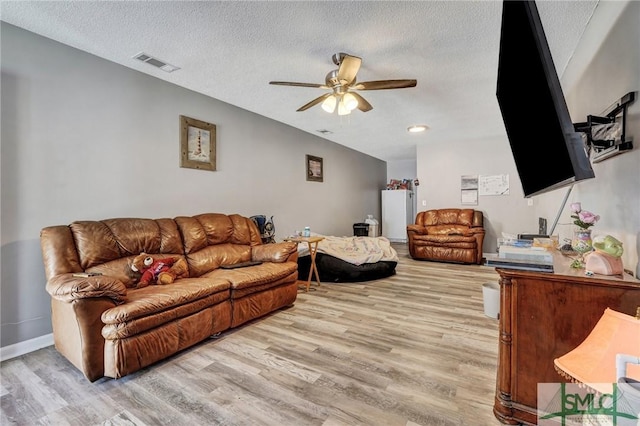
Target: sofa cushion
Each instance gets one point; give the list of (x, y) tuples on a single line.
[(447, 216), (275, 252), (121, 269), (214, 228), (163, 299), (210, 229), (255, 278), (447, 254), (210, 258), (457, 241), (452, 229), (99, 242)]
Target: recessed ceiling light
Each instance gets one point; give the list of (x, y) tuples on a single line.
[(417, 128)]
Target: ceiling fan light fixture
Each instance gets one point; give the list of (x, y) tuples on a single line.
[(341, 81), (350, 101), (342, 108), (417, 128), (329, 104)]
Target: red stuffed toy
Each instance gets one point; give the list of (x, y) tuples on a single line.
[(158, 271)]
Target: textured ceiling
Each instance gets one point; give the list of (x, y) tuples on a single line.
[(231, 50)]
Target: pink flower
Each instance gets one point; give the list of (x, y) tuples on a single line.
[(583, 218), (588, 217)]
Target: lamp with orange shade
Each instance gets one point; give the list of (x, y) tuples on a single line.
[(615, 340)]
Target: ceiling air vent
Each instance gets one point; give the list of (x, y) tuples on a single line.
[(156, 62)]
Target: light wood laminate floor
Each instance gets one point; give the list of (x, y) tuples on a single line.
[(411, 349)]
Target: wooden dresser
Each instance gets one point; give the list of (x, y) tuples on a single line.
[(544, 316)]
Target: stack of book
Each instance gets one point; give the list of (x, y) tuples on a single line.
[(525, 258), (536, 254)]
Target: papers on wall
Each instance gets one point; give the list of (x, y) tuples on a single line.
[(471, 186), (493, 184), (469, 190), (469, 196)]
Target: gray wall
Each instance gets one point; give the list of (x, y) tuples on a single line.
[(600, 73), (84, 138), (401, 169), (605, 66), (440, 167)]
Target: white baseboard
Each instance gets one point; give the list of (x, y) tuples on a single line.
[(25, 347)]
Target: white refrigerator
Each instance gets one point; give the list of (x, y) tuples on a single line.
[(397, 213)]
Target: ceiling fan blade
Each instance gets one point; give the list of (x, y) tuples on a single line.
[(316, 101), (385, 84), (289, 83), (349, 66), (363, 105)]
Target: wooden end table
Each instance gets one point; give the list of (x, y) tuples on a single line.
[(312, 242)]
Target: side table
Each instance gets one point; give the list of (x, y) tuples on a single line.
[(312, 242)]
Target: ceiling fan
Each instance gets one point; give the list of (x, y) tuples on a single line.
[(343, 85)]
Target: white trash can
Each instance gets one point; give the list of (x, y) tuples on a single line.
[(491, 298), (373, 226)]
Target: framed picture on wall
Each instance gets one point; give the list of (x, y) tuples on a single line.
[(314, 169), (197, 144)]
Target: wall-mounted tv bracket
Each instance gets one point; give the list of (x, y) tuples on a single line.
[(600, 132), (605, 134)]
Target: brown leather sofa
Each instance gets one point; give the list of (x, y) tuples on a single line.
[(447, 235), (106, 327)]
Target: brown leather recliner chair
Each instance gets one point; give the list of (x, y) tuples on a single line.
[(447, 235)]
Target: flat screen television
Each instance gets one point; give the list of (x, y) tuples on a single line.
[(548, 152)]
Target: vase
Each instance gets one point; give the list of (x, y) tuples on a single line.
[(582, 244)]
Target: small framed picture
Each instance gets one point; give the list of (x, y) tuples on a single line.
[(314, 169), (197, 144)]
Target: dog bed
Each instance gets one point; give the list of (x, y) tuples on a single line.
[(350, 259)]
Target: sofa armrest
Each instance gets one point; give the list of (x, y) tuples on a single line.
[(413, 230), (278, 252), (478, 219), (476, 232), (67, 288), (418, 229)]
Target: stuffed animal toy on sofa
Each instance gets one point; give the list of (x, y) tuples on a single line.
[(158, 271)]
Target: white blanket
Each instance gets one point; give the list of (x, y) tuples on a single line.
[(355, 250)]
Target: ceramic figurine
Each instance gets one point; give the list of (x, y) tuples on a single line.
[(606, 259)]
